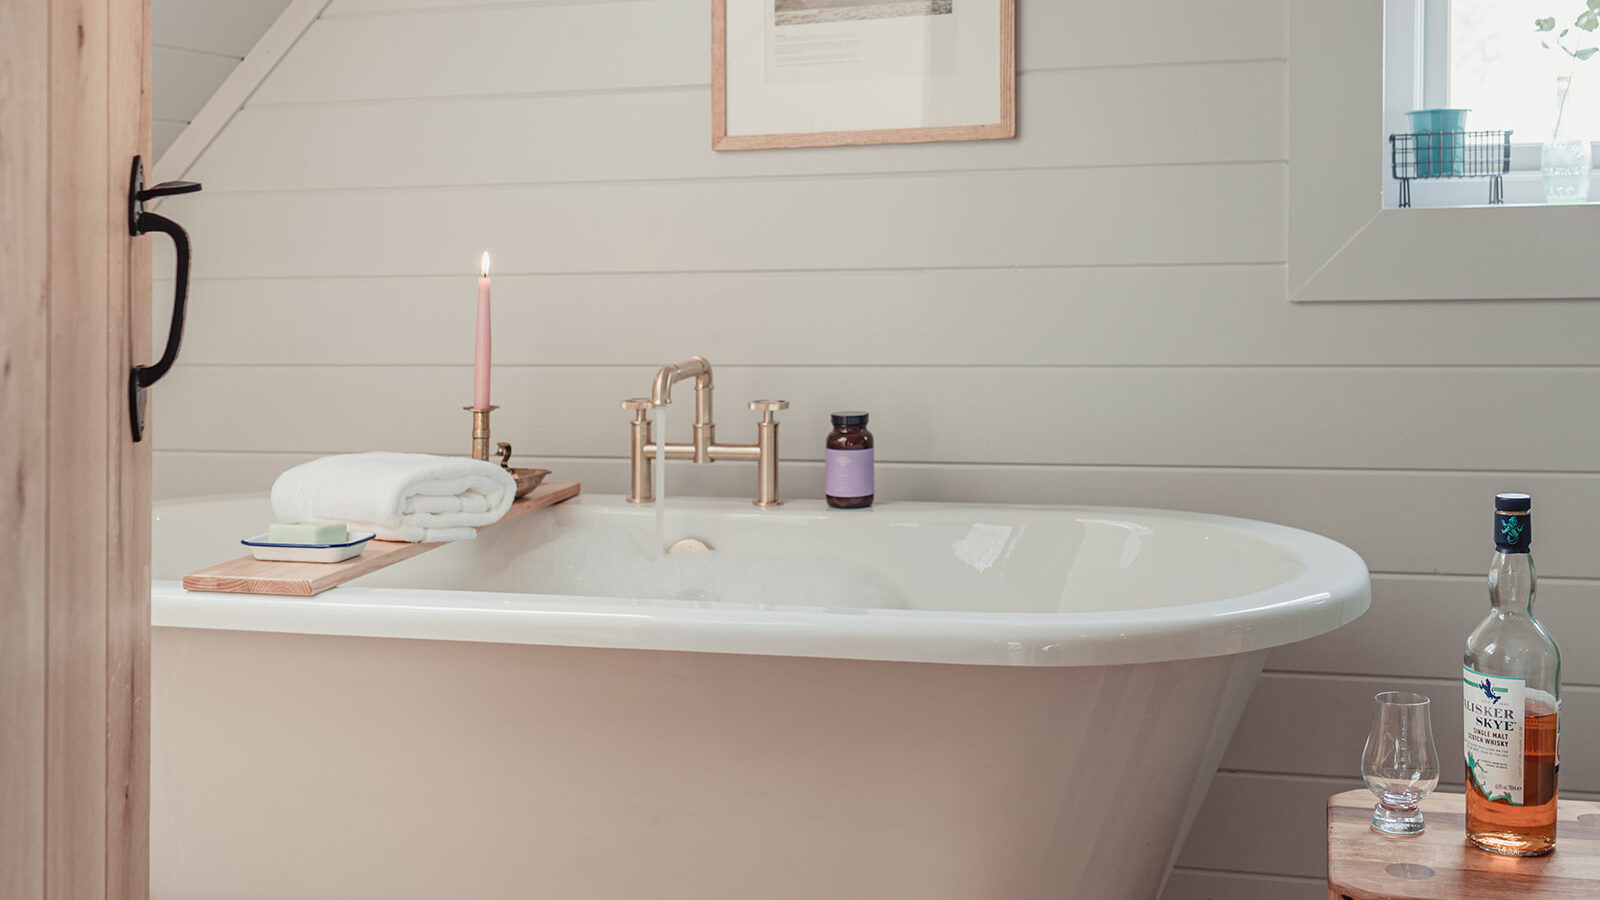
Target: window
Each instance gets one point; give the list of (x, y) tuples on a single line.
[(1343, 245), (1497, 68), (1486, 56)]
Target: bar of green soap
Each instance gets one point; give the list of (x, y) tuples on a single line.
[(308, 533)]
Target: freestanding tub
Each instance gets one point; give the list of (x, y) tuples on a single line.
[(929, 701)]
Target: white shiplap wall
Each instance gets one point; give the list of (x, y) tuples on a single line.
[(1093, 313)]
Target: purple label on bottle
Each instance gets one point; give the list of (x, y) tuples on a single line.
[(848, 473)]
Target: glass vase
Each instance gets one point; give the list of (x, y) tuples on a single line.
[(1566, 160)]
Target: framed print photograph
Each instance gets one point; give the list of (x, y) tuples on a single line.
[(823, 73)]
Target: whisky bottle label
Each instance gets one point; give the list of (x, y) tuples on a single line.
[(1492, 711)]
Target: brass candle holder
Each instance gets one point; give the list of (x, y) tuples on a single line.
[(480, 431), (527, 479)]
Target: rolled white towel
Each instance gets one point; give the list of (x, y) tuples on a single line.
[(401, 496)]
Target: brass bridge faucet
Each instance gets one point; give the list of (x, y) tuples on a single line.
[(705, 449)]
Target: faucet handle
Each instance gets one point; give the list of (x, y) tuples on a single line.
[(768, 407), (639, 405)]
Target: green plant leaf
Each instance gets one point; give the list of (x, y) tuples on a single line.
[(1594, 4), (1586, 52), (1548, 24), (1588, 20), (1564, 32)]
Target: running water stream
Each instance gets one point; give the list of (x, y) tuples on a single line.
[(660, 480)]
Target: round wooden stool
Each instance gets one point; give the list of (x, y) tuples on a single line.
[(1439, 864)]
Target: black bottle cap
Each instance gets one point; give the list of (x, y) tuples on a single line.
[(1513, 523), (849, 417)]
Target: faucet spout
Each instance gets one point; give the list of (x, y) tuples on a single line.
[(704, 449), (695, 367)]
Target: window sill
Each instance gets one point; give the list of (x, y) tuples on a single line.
[(1507, 252), (1344, 245), (1522, 188)]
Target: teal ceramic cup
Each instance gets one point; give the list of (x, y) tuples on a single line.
[(1440, 141)]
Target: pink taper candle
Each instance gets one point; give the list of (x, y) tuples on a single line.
[(480, 370)]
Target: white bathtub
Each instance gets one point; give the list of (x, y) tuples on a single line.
[(921, 701)]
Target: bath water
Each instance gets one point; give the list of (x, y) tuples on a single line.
[(622, 559)]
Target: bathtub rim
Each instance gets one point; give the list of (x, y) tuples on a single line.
[(1332, 590)]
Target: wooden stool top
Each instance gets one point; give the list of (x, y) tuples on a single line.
[(1439, 864)]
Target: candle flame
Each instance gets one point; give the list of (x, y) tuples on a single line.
[(485, 264)]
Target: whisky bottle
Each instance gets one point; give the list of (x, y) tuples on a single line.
[(1511, 702)]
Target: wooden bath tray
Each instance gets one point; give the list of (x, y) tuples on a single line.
[(248, 575)]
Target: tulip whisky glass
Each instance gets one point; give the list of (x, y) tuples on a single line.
[(1399, 763)]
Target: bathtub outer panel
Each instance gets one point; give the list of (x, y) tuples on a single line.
[(312, 766)]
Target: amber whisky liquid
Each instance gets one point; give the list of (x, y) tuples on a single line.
[(1529, 829)]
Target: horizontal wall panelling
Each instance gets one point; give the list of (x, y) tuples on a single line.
[(1303, 417), (1388, 640), (1092, 316), (162, 134), (1163, 215), (487, 51), (1295, 844), (1194, 315), (1051, 34), (1317, 725), (229, 29), (1094, 117), (182, 81)]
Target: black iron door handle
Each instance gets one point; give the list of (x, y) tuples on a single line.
[(142, 222)]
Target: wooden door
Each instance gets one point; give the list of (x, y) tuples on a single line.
[(74, 488)]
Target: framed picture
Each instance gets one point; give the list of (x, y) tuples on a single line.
[(821, 73)]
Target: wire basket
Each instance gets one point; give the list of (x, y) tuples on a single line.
[(1451, 154)]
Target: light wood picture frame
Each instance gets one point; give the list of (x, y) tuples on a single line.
[(828, 73)]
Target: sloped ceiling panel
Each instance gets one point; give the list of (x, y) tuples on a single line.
[(195, 45)]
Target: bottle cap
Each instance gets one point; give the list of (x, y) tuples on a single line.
[(850, 417), (1513, 523)]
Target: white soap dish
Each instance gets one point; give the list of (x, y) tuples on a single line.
[(264, 549)]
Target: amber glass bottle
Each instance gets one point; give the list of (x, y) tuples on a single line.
[(847, 480)]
